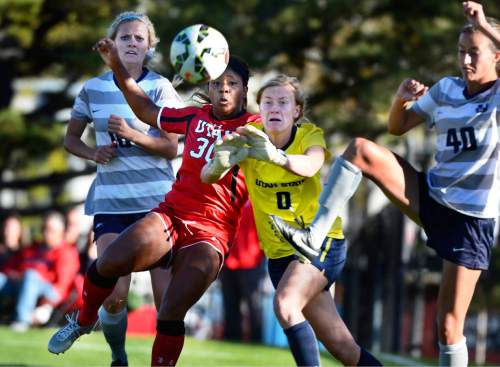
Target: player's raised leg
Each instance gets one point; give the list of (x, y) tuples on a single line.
[(393, 175), (138, 248)]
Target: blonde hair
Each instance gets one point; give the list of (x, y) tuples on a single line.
[(130, 16), (471, 28), (282, 80)]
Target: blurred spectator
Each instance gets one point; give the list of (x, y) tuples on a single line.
[(81, 236), (44, 270), (73, 234), (241, 278), (11, 235)]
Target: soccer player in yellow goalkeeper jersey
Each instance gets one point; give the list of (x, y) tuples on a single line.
[(280, 159)]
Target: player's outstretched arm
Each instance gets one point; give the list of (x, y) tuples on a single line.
[(261, 148), (475, 15), (228, 152), (144, 108), (307, 164), (402, 119)]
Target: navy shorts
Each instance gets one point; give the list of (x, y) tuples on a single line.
[(459, 238), (114, 223), (330, 262)]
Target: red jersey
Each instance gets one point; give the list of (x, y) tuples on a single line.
[(215, 208), (246, 252), (58, 265)]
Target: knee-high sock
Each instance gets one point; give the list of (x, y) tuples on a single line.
[(454, 355), (303, 344), (341, 183), (96, 289), (114, 327), (168, 343)]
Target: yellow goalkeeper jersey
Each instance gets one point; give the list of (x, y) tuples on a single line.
[(274, 190)]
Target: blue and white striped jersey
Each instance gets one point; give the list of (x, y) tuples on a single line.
[(466, 175), (135, 181)]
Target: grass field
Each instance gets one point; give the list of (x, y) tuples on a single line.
[(30, 349)]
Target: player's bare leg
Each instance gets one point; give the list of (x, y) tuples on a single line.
[(113, 313), (392, 174), (301, 296), (455, 294), (140, 247), (288, 304), (194, 268)]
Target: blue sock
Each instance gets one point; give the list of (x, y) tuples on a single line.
[(303, 344), (367, 359), (114, 327)]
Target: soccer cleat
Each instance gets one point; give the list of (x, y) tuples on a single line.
[(64, 338), (300, 239)]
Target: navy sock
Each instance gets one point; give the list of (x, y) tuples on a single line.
[(303, 344), (367, 359)]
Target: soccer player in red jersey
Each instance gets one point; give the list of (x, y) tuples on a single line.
[(192, 228)]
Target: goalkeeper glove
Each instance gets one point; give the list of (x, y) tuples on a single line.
[(261, 147), (228, 152)]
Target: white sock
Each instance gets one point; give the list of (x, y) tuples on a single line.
[(454, 355), (114, 327), (341, 183)]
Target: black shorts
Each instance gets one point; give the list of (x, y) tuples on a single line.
[(456, 237), (330, 262), (114, 223)]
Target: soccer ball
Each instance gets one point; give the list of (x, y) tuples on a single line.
[(199, 53)]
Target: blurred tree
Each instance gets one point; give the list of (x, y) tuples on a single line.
[(50, 39), (350, 55)]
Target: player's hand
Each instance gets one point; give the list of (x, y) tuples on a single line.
[(119, 126), (228, 152), (411, 90), (475, 14), (108, 51), (104, 154), (235, 144), (261, 147)]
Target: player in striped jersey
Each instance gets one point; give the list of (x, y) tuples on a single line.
[(281, 182), (457, 201), (133, 159)]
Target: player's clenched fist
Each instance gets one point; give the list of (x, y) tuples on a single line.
[(411, 90), (108, 51), (475, 14)]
